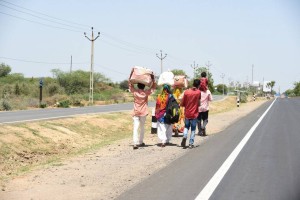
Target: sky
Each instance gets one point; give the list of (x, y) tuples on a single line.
[(244, 40)]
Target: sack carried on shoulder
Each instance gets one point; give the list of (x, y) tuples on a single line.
[(141, 75)]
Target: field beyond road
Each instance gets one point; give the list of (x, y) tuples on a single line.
[(90, 156)]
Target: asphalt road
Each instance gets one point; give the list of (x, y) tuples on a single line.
[(266, 167), (46, 114)]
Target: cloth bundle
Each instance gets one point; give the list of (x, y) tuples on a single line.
[(166, 78), (180, 81), (141, 75)]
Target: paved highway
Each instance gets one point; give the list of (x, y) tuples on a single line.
[(46, 114), (256, 158)]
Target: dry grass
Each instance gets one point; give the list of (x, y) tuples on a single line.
[(222, 106), (25, 146)]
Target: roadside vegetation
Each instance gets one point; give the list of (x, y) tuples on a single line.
[(69, 89), (27, 146), (64, 89)]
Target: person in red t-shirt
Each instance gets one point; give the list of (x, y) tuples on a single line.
[(191, 102)]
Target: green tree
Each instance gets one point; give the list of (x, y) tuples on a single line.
[(271, 85), (297, 88), (77, 82), (220, 88), (289, 92), (124, 85), (178, 72), (4, 70)]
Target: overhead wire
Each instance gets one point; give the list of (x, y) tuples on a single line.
[(110, 69), (83, 25), (57, 27), (108, 39), (124, 45), (40, 18), (40, 62)]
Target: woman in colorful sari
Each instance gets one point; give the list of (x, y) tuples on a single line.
[(164, 130)]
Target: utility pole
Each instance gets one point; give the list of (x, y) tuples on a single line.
[(194, 67), (222, 76), (91, 95), (161, 59), (41, 90), (71, 65), (252, 74), (208, 65)]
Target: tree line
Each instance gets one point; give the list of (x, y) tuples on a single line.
[(72, 88)]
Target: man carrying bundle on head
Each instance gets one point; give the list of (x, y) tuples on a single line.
[(140, 76)]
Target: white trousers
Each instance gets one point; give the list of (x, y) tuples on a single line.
[(164, 132), (138, 122)]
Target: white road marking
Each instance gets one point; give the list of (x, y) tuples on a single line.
[(218, 176)]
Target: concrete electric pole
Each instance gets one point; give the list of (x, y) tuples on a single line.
[(161, 59), (194, 68), (252, 74), (222, 76), (208, 65), (91, 95), (71, 65)]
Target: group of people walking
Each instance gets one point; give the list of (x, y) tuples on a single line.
[(195, 101)]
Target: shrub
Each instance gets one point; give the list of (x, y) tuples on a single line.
[(43, 105), (54, 88), (5, 105), (64, 104), (124, 85), (76, 100), (17, 89), (244, 97), (7, 91), (33, 102)]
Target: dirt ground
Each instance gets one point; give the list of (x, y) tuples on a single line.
[(108, 172)]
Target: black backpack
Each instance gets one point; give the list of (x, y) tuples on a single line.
[(172, 111)]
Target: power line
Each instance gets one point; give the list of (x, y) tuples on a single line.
[(134, 48), (123, 48), (62, 63), (41, 18), (40, 62), (38, 22), (40, 13), (121, 44), (150, 51), (110, 69)]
